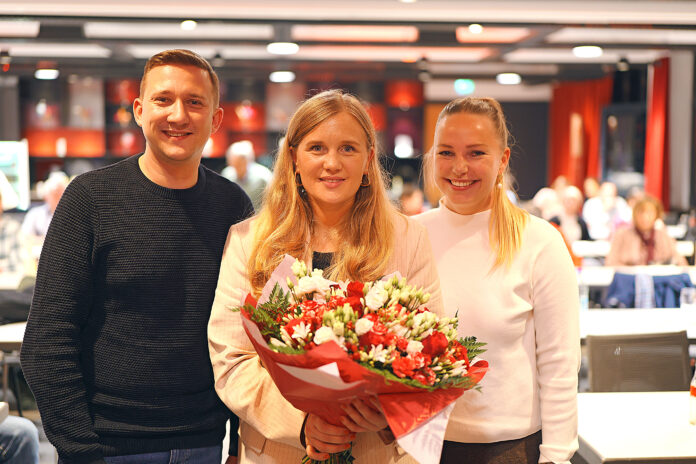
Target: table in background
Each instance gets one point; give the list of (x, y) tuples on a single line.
[(650, 427), (638, 321)]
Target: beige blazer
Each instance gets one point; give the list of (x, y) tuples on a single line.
[(270, 425)]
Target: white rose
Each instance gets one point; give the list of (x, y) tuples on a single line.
[(306, 285), (323, 335), (362, 326), (377, 296), (322, 285), (414, 346)]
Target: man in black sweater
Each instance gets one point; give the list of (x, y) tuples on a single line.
[(115, 349)]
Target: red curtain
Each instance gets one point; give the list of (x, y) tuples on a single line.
[(575, 128), (656, 132)]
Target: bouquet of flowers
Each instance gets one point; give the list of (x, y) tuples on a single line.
[(326, 343)]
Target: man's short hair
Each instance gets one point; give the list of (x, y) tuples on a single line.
[(186, 58)]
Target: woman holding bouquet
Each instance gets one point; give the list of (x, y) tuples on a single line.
[(327, 204), (517, 291)]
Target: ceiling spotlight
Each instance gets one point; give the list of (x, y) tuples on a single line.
[(623, 65), (464, 86), (188, 25), (282, 48), (46, 74), (508, 78), (5, 60), (587, 51), (475, 28), (281, 76)]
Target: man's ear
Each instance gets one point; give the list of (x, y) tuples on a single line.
[(138, 111)]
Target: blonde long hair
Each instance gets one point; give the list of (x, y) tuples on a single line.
[(284, 224), (507, 221)]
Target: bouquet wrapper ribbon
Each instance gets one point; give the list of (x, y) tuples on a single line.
[(323, 378)]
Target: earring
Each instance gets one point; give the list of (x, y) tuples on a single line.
[(500, 181), (300, 188), (365, 182)]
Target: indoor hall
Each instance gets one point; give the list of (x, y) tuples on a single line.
[(597, 91)]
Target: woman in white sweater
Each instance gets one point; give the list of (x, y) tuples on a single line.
[(511, 281)]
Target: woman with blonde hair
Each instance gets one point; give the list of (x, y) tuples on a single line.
[(644, 242), (327, 205), (517, 290)]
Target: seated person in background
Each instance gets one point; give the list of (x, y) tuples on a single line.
[(411, 200), (606, 212), (546, 203), (644, 243), (569, 220), (243, 169), (590, 187), (38, 218)]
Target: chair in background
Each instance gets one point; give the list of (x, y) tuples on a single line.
[(640, 362)]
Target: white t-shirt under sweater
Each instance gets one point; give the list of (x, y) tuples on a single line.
[(528, 315)]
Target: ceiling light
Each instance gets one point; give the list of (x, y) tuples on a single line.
[(353, 33), (188, 25), (475, 28), (20, 28), (282, 48), (56, 50), (172, 30), (408, 1), (587, 51), (508, 78), (464, 86), (46, 74), (282, 76)]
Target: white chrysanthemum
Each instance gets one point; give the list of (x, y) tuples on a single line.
[(414, 346), (362, 326), (377, 296)]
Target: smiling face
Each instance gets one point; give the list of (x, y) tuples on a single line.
[(178, 112), (468, 158), (331, 160)]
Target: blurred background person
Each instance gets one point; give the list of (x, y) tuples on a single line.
[(38, 218), (590, 187), (9, 242), (243, 169), (570, 220), (546, 203), (605, 212), (643, 243), (411, 200)]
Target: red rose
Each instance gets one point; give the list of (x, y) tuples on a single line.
[(403, 367), (401, 343), (435, 344), (355, 303), (355, 289)]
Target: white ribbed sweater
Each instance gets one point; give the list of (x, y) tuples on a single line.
[(528, 315)]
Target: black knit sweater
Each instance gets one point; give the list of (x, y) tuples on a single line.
[(115, 349)]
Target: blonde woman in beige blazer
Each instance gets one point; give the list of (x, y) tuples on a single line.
[(326, 204)]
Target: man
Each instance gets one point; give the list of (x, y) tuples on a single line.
[(115, 349), (243, 169)]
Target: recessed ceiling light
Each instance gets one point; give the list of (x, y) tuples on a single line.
[(587, 51), (282, 76), (188, 25), (282, 48), (408, 1), (508, 78), (46, 74), (475, 28), (464, 86)]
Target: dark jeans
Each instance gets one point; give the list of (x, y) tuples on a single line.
[(521, 451), (208, 455)]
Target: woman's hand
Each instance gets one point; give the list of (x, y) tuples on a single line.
[(323, 438), (364, 416)]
